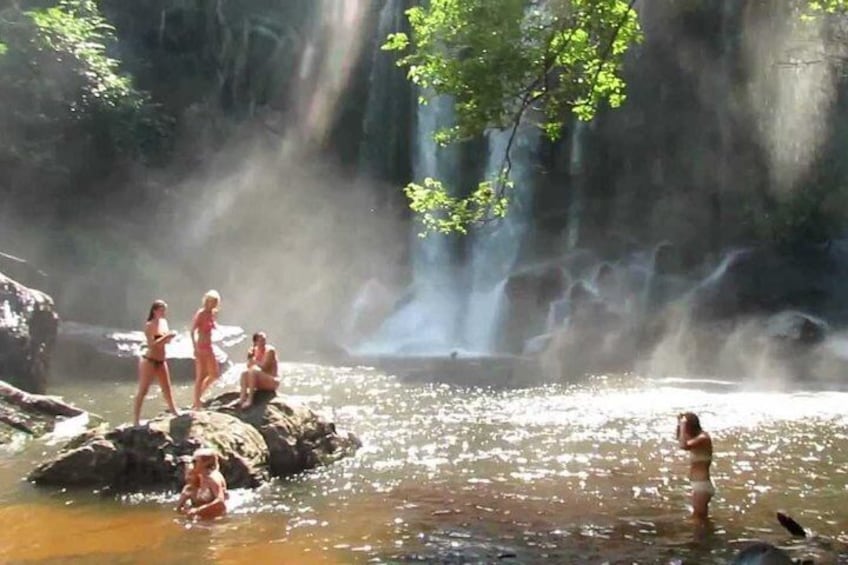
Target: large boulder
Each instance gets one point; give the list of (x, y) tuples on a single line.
[(272, 438), (94, 351), (297, 438), (154, 455), (32, 414), (28, 326)]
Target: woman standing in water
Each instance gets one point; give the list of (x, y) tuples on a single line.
[(153, 363), (698, 443), (205, 364), (205, 489)]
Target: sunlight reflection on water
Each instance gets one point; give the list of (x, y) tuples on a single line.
[(577, 473)]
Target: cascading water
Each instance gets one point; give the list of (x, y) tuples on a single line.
[(383, 116), (495, 247), (426, 324), (575, 167)]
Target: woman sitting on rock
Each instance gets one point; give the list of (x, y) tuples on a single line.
[(205, 488), (153, 363), (262, 370)]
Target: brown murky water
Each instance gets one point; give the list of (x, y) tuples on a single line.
[(587, 473)]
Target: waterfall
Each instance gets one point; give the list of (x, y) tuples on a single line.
[(426, 324), (382, 125), (495, 247), (575, 168)]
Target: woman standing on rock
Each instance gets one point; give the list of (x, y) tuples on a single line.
[(153, 363), (692, 438), (205, 364)]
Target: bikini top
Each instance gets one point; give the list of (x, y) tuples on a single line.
[(205, 322)]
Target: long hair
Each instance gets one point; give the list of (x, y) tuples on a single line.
[(693, 423), (211, 295), (155, 306)]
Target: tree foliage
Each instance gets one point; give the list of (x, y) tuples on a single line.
[(506, 61), (62, 91)]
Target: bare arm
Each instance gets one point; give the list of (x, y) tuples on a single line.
[(682, 433), (701, 440), (194, 325), (270, 360), (184, 497)]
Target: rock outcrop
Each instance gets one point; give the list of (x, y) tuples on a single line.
[(297, 438), (272, 438), (28, 326)]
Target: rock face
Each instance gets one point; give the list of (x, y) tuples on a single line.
[(272, 438), (28, 326), (93, 351), (32, 414)]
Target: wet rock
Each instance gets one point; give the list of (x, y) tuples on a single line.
[(28, 326), (94, 351), (529, 294), (796, 327), (272, 438), (154, 455), (32, 414), (761, 553), (762, 281), (297, 438)]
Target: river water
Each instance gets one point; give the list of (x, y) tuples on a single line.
[(585, 473)]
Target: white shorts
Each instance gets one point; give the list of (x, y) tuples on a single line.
[(703, 487)]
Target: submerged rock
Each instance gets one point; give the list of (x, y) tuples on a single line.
[(272, 438), (93, 351), (32, 414), (28, 325)]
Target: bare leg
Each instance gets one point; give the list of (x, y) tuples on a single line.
[(198, 381), (259, 380), (210, 369), (264, 381), (165, 384), (244, 384), (700, 505), (249, 388), (144, 379)]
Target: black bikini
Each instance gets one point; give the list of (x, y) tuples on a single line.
[(157, 363)]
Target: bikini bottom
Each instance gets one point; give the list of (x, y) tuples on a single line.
[(703, 487)]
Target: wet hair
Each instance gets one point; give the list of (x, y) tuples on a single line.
[(155, 306), (257, 335), (206, 454), (211, 295), (693, 423)]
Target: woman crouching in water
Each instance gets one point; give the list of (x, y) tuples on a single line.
[(698, 443), (153, 363), (205, 488), (205, 364)]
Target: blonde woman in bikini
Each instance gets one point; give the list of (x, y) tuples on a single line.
[(692, 438), (205, 364), (152, 364), (205, 488)]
